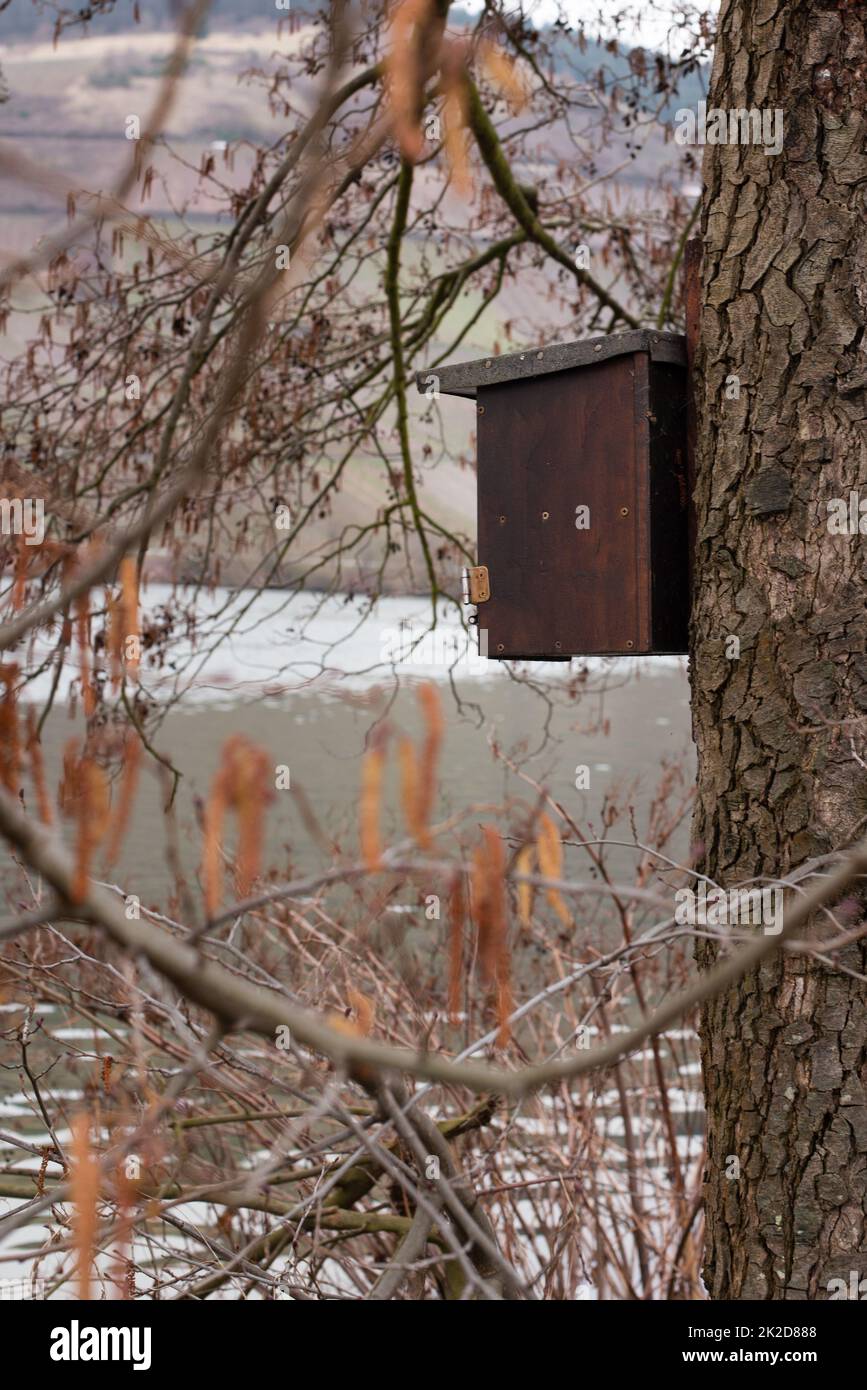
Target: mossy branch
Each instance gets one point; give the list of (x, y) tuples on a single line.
[(504, 181)]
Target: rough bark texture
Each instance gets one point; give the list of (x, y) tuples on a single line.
[(782, 774)]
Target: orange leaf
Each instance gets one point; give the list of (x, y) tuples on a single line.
[(428, 698), (455, 117), (10, 737), (370, 801), (92, 811), (22, 560), (212, 863), (550, 849), (37, 768), (504, 74), (242, 784), (489, 906), (364, 1010), (84, 1185), (404, 73), (409, 789), (524, 865)]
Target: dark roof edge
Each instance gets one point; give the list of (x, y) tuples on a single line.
[(463, 378)]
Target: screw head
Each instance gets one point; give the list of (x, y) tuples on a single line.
[(624, 511), (630, 643), (500, 647), (558, 646), (502, 520), (545, 516), (480, 410)]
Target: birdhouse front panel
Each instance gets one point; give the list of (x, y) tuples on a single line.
[(560, 516), (582, 497)]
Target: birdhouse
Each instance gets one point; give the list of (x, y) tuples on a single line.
[(582, 496)]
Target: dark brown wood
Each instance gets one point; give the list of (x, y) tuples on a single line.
[(547, 447), (465, 378), (608, 434), (692, 286), (669, 509)]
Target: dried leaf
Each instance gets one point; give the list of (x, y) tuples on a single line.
[(242, 784), (489, 908), (456, 122), (364, 1011), (524, 865), (550, 850), (10, 737), (67, 791), (250, 792), (503, 72), (372, 767), (91, 808), (403, 73), (212, 861), (428, 698), (22, 561)]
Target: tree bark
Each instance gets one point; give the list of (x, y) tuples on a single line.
[(782, 766)]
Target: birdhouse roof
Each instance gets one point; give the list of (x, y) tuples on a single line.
[(463, 378)]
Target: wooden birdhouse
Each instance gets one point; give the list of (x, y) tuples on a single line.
[(582, 496)]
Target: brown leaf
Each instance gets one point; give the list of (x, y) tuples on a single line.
[(403, 73), (489, 908), (364, 1011), (37, 768), (550, 849), (10, 735), (409, 787), (524, 865), (428, 698), (370, 801), (504, 74)]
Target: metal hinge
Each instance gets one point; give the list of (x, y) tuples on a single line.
[(477, 585)]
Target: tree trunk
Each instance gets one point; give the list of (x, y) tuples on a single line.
[(782, 765)]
